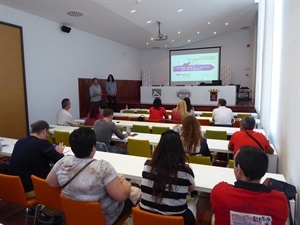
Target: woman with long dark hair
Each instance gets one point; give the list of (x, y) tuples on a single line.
[(157, 112), (167, 179), (93, 115), (189, 107), (111, 92)]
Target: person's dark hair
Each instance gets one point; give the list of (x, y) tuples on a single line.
[(189, 106), (253, 161), (82, 141), (95, 79), (39, 126), (108, 112), (65, 102), (167, 158), (222, 102), (157, 103), (112, 78), (94, 110), (248, 123)]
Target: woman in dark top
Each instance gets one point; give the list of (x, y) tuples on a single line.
[(191, 136)]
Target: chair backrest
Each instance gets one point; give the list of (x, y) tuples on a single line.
[(62, 136), (176, 121), (204, 122), (79, 212), (140, 128), (206, 114), (145, 111), (50, 138), (87, 126), (45, 194), (128, 111), (213, 134), (231, 163), (237, 123), (139, 147), (121, 118), (159, 130), (205, 160), (141, 217), (100, 146), (239, 115), (11, 190)]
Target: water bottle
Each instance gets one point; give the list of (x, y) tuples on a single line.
[(126, 106)]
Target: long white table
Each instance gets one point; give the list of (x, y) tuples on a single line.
[(199, 95), (135, 115), (197, 113)]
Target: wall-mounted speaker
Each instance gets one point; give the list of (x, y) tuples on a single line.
[(65, 29)]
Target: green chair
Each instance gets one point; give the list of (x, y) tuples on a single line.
[(140, 129), (242, 115), (213, 134), (139, 148), (159, 130), (145, 111), (62, 136), (231, 163), (205, 160), (50, 138), (205, 114), (121, 129), (128, 111)]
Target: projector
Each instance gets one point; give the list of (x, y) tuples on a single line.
[(160, 37)]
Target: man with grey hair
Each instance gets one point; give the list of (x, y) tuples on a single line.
[(247, 136), (63, 117)]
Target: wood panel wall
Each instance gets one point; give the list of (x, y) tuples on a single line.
[(128, 93), (13, 100)]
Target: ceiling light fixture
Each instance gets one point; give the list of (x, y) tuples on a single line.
[(178, 32), (180, 10), (215, 32), (189, 40), (149, 21), (208, 22), (198, 32), (75, 13), (226, 24), (132, 11)]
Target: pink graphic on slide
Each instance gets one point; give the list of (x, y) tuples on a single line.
[(188, 67)]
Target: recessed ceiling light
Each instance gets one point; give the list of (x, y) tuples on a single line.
[(215, 32), (226, 24), (189, 40), (147, 43), (208, 22), (166, 45), (151, 39), (198, 32), (149, 21), (180, 10), (132, 11), (178, 32), (74, 13), (172, 40)]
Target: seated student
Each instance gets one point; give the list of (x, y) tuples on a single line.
[(180, 112), (32, 155), (157, 111), (63, 117), (93, 115), (99, 181), (249, 137), (105, 128), (167, 179), (222, 115), (247, 199), (193, 141), (189, 107)]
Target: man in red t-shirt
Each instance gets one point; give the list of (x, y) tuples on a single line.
[(247, 137), (248, 201)]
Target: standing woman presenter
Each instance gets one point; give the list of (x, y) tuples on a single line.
[(111, 89)]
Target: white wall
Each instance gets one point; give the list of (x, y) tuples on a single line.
[(54, 60), (234, 52)]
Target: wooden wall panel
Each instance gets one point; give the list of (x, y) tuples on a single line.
[(128, 93), (13, 103)]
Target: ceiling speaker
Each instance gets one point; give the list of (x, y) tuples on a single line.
[(65, 29)]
